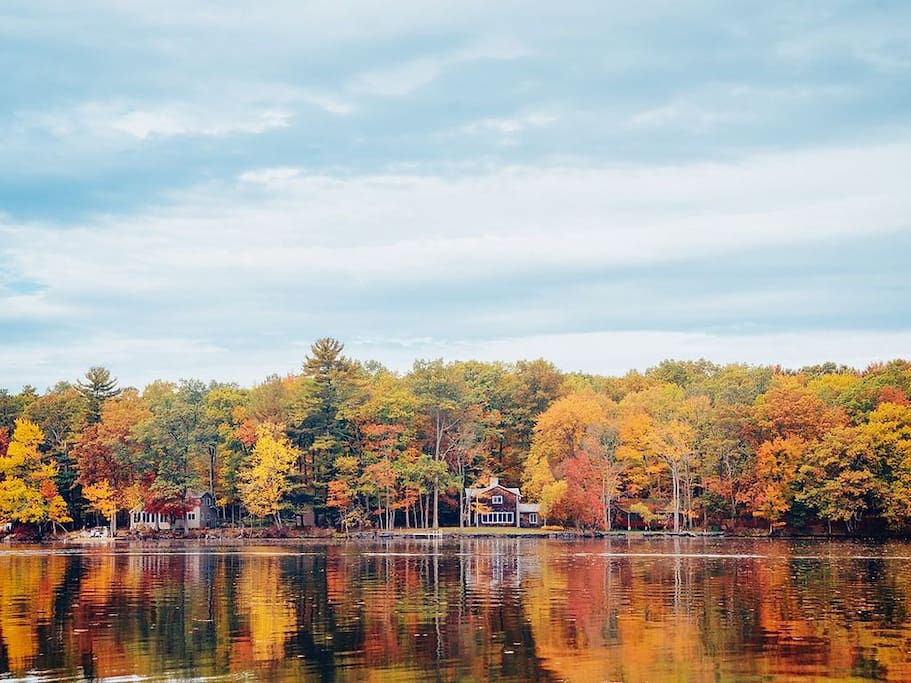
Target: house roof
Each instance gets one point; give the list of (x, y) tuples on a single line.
[(494, 484), (529, 507), (477, 492), (194, 497)]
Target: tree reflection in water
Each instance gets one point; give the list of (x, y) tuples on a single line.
[(470, 609)]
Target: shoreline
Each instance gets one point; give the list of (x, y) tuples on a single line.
[(213, 537)]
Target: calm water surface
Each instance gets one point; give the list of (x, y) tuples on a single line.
[(478, 609)]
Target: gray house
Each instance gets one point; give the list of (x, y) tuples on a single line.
[(200, 515)]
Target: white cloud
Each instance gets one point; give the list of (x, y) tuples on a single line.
[(510, 126), (399, 80), (173, 122), (33, 307), (277, 176), (404, 78), (328, 102), (106, 119), (877, 39), (684, 116)]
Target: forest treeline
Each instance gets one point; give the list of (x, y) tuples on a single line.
[(686, 444)]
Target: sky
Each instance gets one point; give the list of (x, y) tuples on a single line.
[(201, 190)]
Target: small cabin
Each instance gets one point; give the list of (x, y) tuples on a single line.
[(200, 515), (496, 505)]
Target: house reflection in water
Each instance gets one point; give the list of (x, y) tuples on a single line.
[(497, 563)]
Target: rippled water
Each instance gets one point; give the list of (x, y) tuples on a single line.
[(475, 609)]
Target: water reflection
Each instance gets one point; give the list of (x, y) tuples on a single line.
[(474, 609)]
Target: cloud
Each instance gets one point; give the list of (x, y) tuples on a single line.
[(328, 102), (406, 77), (875, 38), (100, 119), (238, 109), (684, 116), (398, 80), (271, 177), (415, 229), (174, 122), (510, 126), (31, 307)]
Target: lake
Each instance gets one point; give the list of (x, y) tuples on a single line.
[(504, 609)]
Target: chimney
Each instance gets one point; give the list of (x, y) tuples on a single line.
[(494, 481)]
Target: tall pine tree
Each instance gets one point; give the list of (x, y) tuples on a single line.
[(98, 387)]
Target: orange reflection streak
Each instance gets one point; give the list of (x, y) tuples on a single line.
[(269, 609), (28, 587)]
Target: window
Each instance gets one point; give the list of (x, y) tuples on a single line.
[(191, 515), (496, 500), (532, 517), (497, 518)]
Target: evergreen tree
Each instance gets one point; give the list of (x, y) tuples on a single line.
[(98, 388), (321, 413), (10, 409)]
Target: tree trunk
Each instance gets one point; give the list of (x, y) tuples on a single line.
[(687, 495), (212, 450), (436, 480), (606, 499), (461, 496), (389, 512), (730, 474), (675, 493)]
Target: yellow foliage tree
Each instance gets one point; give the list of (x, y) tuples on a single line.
[(28, 493), (775, 476), (538, 475), (559, 435), (103, 498), (265, 480), (656, 432), (562, 427), (887, 437), (551, 496)]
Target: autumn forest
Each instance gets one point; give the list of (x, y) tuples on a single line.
[(685, 445)]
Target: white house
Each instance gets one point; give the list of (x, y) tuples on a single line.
[(201, 515)]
